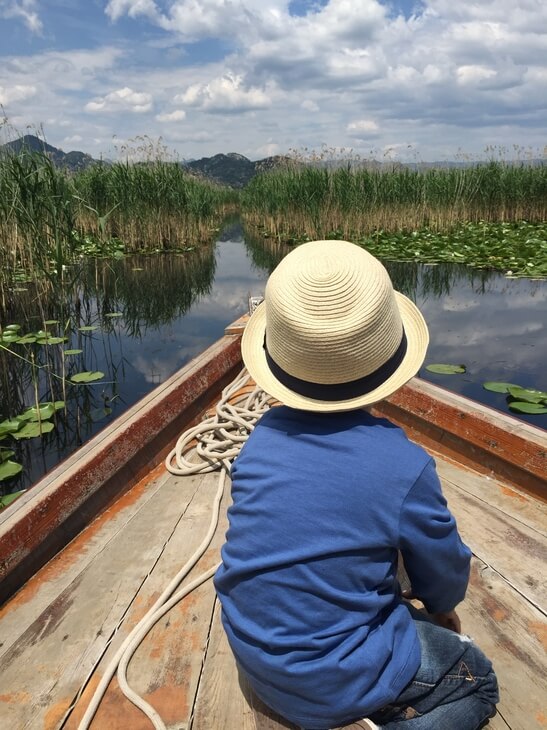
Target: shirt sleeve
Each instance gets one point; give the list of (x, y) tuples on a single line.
[(435, 558)]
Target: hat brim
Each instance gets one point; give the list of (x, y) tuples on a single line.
[(254, 357)]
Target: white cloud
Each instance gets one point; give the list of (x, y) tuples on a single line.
[(115, 9), (15, 93), (268, 150), (363, 128), (25, 9), (122, 99), (453, 75), (175, 116), (74, 138), (224, 94), (470, 75), (309, 106)]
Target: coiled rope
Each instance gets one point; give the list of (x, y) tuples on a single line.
[(216, 441)]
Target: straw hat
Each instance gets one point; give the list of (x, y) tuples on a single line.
[(332, 334)]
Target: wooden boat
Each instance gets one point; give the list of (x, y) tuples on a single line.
[(88, 549)]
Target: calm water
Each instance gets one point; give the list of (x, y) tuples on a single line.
[(173, 307)]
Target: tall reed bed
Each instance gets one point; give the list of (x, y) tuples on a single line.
[(311, 201), (49, 216), (149, 205)]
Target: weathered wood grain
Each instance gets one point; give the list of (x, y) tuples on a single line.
[(499, 540), (71, 634), (510, 501), (513, 634)]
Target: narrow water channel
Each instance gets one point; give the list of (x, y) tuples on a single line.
[(145, 317)]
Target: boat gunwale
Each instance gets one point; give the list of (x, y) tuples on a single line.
[(61, 504), (42, 521)]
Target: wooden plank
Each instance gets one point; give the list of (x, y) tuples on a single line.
[(502, 542), (45, 586), (70, 635), (522, 507), (513, 634), (224, 698), (165, 669)]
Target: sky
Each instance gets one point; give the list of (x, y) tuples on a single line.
[(411, 80)]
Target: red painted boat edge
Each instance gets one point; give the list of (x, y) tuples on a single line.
[(43, 520)]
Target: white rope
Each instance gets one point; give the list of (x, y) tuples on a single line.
[(217, 441)]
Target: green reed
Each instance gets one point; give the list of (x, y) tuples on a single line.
[(299, 200), (50, 217)]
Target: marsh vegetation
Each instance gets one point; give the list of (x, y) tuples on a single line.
[(487, 215)]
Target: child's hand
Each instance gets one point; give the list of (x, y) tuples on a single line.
[(449, 620)]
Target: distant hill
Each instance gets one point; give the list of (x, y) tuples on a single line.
[(70, 160), (236, 170), (232, 169)]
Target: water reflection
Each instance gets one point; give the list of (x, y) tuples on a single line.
[(173, 307)]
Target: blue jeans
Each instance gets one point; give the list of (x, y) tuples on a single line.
[(455, 687)]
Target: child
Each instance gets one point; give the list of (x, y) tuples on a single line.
[(324, 497)]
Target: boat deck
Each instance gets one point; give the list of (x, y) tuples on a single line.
[(59, 631)]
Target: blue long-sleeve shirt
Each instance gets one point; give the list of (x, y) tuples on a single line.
[(310, 601)]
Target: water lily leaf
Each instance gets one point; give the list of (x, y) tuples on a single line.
[(51, 321), (443, 369), (10, 337), (89, 328), (6, 454), (58, 405), (10, 426), (50, 340), (87, 377), (113, 314), (97, 414), (9, 469), (13, 327), (496, 387), (527, 394), (72, 352), (532, 409), (33, 429), (138, 268), (45, 411), (9, 498), (26, 340)]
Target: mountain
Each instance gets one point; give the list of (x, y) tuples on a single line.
[(232, 169), (73, 161)]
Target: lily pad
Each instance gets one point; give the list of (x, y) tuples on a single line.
[(26, 340), (528, 394), (88, 328), (9, 469), (97, 414), (87, 377), (443, 369), (45, 411), (33, 429), (532, 409), (6, 454), (7, 499), (496, 387), (13, 327), (72, 352), (51, 321), (112, 315), (10, 426), (9, 337), (50, 340)]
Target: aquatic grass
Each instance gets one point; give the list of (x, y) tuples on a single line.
[(297, 202), (50, 219)]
